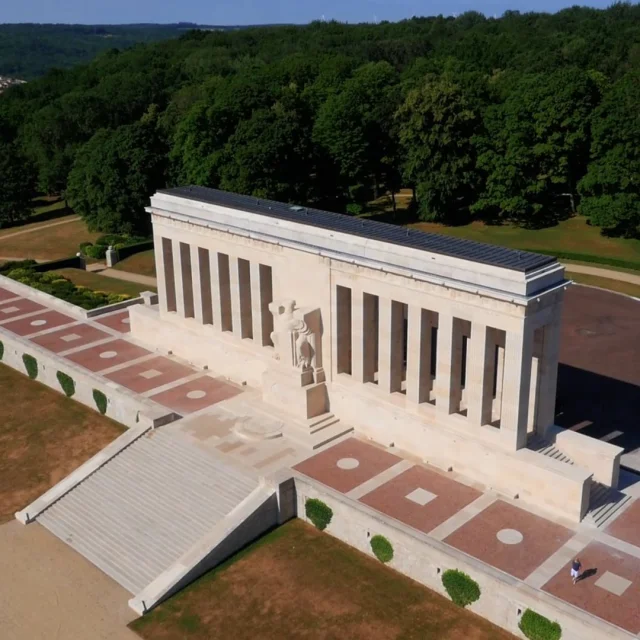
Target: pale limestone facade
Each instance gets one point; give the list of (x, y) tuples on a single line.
[(450, 358)]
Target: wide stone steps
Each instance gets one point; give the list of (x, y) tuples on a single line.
[(548, 449), (604, 503), (147, 506)]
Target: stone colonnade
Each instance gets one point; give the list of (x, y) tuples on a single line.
[(230, 293)]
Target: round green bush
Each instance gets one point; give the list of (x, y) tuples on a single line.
[(318, 512), (381, 548), (30, 365), (66, 383), (537, 627), (1, 349), (101, 401), (96, 251), (460, 587)]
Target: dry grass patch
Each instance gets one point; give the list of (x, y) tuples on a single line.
[(142, 263), (604, 283), (96, 282), (44, 436), (297, 582)]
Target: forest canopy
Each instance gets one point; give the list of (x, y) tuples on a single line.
[(524, 119)]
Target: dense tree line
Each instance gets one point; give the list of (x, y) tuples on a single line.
[(525, 119)]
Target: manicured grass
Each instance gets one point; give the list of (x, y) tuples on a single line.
[(573, 235), (102, 283), (50, 243), (297, 582), (605, 283), (142, 263), (44, 436)]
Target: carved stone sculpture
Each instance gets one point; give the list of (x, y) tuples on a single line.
[(291, 335)]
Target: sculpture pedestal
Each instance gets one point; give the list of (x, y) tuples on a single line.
[(290, 391)]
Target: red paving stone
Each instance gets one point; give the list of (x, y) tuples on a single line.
[(391, 498), (39, 322), (324, 466), (621, 610), (159, 371), (55, 342), (118, 321), (5, 294), (19, 307), (627, 525), (478, 538), (214, 391), (124, 352)]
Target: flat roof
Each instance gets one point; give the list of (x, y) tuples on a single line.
[(513, 259)]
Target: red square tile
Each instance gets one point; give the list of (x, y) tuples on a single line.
[(39, 322), (627, 525), (196, 394), (509, 538), (118, 320), (421, 498), (150, 374), (77, 335), (592, 592), (347, 464), (5, 294), (107, 355), (17, 308)]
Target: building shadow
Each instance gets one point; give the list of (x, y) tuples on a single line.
[(598, 406)]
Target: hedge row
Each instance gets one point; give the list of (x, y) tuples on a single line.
[(586, 257), (98, 250)]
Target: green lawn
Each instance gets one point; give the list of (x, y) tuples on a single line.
[(102, 283), (142, 263), (605, 283), (297, 582)]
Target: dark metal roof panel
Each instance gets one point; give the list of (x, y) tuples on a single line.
[(512, 259)]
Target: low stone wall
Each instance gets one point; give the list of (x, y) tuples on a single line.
[(123, 405), (503, 598)]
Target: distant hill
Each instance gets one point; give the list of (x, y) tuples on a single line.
[(28, 51)]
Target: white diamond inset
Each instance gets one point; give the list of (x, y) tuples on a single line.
[(612, 583), (348, 463), (151, 373), (421, 496), (70, 337), (38, 323), (10, 309), (107, 355), (509, 536), (196, 394)]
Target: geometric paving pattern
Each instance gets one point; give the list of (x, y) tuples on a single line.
[(147, 375), (39, 322), (196, 394), (107, 355)]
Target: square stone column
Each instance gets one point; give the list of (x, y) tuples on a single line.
[(201, 285), (516, 386), (548, 375), (358, 336), (448, 365), (240, 281), (261, 297), (164, 273), (178, 269), (480, 371), (220, 290), (534, 387), (419, 355), (390, 341)]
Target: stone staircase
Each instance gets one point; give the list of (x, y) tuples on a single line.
[(319, 431), (604, 503), (147, 506), (546, 448)]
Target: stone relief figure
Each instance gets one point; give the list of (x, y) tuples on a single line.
[(291, 335)]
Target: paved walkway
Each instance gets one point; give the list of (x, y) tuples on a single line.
[(50, 592), (149, 281), (601, 272)]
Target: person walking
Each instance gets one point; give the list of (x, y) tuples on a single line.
[(575, 570)]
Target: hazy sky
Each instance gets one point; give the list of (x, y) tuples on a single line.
[(255, 11)]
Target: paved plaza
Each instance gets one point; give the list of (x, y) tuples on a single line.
[(494, 529)]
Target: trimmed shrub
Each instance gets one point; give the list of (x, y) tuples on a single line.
[(1, 349), (318, 512), (101, 401), (381, 548), (460, 587), (66, 383), (31, 366), (537, 627), (96, 251)]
